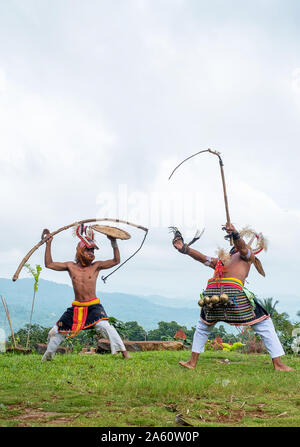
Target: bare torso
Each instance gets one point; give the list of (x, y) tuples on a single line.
[(84, 280), (237, 268)]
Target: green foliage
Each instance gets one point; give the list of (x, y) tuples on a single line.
[(227, 347), (282, 324), (188, 341), (129, 330), (39, 334), (217, 344), (284, 330), (226, 337), (134, 331), (85, 339), (119, 326), (168, 330), (35, 274), (269, 305)]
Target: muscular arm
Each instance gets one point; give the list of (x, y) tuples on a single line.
[(59, 266), (102, 265), (210, 262), (240, 244), (202, 258)]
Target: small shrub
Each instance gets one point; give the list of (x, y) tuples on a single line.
[(252, 343)]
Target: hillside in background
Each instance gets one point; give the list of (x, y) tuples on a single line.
[(53, 298)]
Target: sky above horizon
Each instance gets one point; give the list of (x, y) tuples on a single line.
[(99, 101)]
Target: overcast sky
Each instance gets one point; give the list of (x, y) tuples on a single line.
[(99, 101)]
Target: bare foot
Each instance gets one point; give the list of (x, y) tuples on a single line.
[(283, 367), (126, 355), (279, 366), (187, 365)]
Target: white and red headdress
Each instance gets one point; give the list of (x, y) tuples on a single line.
[(86, 236), (253, 236), (249, 236)]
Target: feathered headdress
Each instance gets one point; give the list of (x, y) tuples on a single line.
[(86, 235), (261, 244)]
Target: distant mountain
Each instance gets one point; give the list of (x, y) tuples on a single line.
[(52, 299)]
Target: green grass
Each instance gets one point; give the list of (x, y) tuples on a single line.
[(149, 389)]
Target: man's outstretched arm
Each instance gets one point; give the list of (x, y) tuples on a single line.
[(102, 265), (59, 266), (183, 248)]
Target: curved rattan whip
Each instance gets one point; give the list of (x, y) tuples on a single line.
[(66, 227), (222, 175)]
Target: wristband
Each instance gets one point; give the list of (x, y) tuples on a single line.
[(247, 256), (114, 243), (185, 249), (208, 261)]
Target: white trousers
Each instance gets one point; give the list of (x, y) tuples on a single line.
[(103, 327), (265, 329)]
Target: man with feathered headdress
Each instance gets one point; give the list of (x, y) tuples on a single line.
[(86, 310), (226, 298)]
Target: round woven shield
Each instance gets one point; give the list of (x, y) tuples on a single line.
[(111, 231)]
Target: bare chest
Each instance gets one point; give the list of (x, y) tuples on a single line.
[(83, 274), (238, 266)]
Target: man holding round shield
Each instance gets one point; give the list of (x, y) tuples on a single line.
[(86, 311)]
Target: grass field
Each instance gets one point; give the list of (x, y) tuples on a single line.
[(150, 389)]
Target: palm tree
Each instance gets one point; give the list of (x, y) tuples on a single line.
[(267, 303)]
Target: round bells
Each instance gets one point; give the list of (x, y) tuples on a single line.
[(215, 300)]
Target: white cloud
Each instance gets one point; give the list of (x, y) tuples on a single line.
[(93, 97)]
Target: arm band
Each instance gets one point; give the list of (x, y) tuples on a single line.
[(236, 236), (247, 256), (208, 261), (185, 249), (114, 243)]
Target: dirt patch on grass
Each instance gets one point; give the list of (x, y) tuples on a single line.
[(239, 415), (227, 415), (38, 415)]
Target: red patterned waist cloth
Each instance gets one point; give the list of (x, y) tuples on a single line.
[(82, 315)]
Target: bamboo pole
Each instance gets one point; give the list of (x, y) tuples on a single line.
[(9, 321), (224, 190)]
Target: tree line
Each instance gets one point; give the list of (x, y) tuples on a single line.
[(132, 331)]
